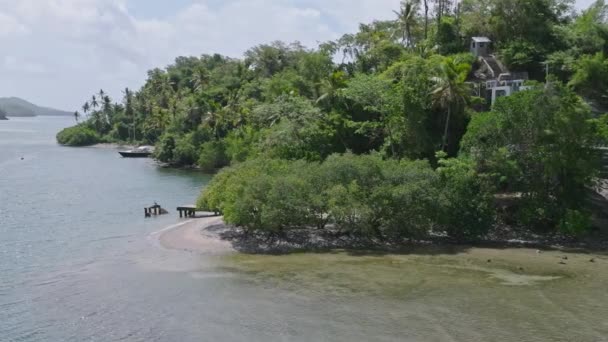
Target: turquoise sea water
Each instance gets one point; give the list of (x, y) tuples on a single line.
[(78, 263)]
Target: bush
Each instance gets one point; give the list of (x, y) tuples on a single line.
[(364, 195), (164, 148), (239, 192), (591, 77), (241, 144), (353, 203), (78, 136), (385, 198), (520, 55), (466, 206), (120, 132), (285, 203), (184, 153), (575, 222), (540, 144), (213, 156), (412, 192)]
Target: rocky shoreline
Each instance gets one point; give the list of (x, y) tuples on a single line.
[(323, 240), (213, 235)]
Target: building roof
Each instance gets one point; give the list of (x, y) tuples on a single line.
[(481, 39)]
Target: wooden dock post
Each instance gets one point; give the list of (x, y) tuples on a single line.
[(187, 211), (155, 210)]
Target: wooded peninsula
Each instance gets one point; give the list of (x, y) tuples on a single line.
[(452, 119)]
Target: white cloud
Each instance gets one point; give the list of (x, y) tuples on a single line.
[(57, 52), (74, 47), (10, 26)]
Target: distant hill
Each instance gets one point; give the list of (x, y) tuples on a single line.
[(14, 106)]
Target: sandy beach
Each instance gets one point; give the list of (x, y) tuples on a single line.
[(194, 235)]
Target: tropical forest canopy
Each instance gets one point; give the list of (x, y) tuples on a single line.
[(382, 121)]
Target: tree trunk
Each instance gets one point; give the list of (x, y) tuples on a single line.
[(426, 19), (439, 13), (457, 14), (390, 136), (447, 126)]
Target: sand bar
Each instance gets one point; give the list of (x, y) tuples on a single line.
[(194, 235)]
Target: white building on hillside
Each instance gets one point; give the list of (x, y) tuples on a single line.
[(492, 77), (480, 46)]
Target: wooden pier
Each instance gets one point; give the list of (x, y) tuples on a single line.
[(187, 211), (191, 210), (155, 210)]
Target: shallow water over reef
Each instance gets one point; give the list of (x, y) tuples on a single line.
[(449, 294), (78, 263)]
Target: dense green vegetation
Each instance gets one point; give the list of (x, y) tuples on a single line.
[(347, 135), (80, 135), (386, 198)]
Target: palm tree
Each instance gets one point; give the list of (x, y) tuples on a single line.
[(106, 102), (129, 112), (86, 107), (330, 86), (106, 108), (199, 79), (406, 18), (76, 115), (94, 103), (451, 92), (102, 94)]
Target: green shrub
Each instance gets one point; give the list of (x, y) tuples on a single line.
[(386, 198), (213, 156), (239, 192), (284, 204), (539, 144), (120, 132), (164, 148), (241, 144), (364, 195), (353, 203), (520, 55), (79, 135), (575, 222), (412, 191), (350, 211), (466, 206), (184, 153)]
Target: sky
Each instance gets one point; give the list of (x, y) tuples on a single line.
[(59, 52)]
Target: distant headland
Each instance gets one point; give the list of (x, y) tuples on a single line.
[(14, 106)]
